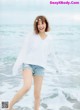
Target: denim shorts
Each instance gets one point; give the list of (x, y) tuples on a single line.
[(36, 70)]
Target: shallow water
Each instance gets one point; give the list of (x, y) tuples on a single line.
[(61, 89)]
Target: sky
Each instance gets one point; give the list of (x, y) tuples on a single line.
[(25, 11)]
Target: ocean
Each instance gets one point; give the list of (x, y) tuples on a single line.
[(61, 89)]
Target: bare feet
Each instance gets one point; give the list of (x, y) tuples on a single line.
[(10, 109)]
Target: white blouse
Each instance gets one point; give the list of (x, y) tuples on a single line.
[(35, 50)]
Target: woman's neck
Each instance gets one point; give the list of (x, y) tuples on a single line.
[(43, 35)]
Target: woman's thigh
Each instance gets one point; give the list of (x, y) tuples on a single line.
[(27, 77), (37, 84)]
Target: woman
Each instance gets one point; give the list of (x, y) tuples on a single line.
[(33, 60)]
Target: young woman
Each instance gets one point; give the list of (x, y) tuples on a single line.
[(33, 60)]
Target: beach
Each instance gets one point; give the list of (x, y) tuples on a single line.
[(61, 89)]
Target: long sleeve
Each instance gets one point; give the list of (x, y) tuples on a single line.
[(53, 56), (21, 57), (56, 61)]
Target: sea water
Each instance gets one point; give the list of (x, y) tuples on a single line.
[(61, 88)]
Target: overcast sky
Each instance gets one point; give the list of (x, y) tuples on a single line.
[(24, 11)]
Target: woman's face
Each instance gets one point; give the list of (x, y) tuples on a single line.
[(41, 26)]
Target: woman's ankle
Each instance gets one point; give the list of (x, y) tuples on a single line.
[(9, 106)]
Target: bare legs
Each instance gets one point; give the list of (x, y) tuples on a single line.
[(27, 77), (37, 90)]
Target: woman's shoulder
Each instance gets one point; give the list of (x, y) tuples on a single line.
[(50, 36), (29, 36)]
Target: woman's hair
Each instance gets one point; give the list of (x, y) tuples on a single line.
[(43, 19)]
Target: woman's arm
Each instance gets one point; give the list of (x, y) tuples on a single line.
[(21, 56), (53, 55)]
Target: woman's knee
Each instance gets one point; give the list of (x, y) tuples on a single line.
[(26, 87), (37, 95)]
